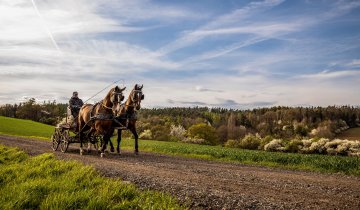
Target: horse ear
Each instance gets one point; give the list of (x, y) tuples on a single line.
[(116, 88), (122, 89), (140, 88), (136, 86)]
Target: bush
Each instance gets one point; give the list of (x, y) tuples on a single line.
[(294, 146), (265, 141), (146, 134), (275, 145), (301, 130), (231, 143), (343, 147), (204, 131), (160, 132), (318, 146), (250, 142), (194, 141), (178, 132)]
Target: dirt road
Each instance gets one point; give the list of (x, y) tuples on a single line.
[(216, 185)]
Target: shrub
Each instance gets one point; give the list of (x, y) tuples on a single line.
[(324, 130), (294, 145), (275, 145), (318, 146), (160, 132), (193, 140), (146, 134), (250, 142), (204, 131), (231, 143), (265, 141), (342, 147), (301, 130), (178, 132)]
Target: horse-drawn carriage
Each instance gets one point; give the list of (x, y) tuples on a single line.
[(67, 132), (96, 123)]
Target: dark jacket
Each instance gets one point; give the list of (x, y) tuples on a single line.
[(75, 104)]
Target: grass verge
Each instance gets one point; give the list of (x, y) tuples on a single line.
[(43, 182), (312, 162)]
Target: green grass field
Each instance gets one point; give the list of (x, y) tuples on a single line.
[(43, 182), (313, 162), (350, 134), (28, 128)]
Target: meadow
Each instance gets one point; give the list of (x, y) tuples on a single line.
[(312, 162), (26, 128), (43, 182)]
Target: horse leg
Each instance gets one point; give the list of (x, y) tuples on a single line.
[(111, 146), (88, 148), (81, 137), (133, 130), (118, 141), (106, 139)]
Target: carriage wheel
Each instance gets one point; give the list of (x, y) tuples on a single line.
[(64, 144), (55, 139)]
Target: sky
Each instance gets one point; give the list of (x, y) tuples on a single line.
[(229, 53)]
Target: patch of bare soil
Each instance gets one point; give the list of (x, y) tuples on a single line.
[(215, 185)]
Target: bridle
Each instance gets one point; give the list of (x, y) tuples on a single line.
[(115, 94), (135, 102)]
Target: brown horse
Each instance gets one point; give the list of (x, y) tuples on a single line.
[(126, 115), (98, 118)]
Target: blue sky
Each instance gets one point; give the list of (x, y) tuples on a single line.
[(232, 54)]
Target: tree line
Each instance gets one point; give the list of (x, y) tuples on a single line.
[(214, 125)]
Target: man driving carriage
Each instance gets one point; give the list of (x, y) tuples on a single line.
[(75, 103)]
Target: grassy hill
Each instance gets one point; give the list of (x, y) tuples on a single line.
[(350, 134), (28, 128)]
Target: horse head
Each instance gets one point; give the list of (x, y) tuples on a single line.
[(114, 98), (137, 96)]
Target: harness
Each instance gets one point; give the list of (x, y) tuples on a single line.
[(100, 116)]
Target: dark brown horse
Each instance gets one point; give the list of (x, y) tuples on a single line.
[(97, 119), (126, 115)]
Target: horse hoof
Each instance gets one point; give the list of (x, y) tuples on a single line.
[(81, 152), (102, 154), (112, 150), (136, 152)]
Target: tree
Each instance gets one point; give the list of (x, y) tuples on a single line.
[(204, 131)]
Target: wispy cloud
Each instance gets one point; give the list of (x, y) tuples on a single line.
[(215, 26), (355, 62), (331, 74)]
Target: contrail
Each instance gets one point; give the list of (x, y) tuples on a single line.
[(44, 25)]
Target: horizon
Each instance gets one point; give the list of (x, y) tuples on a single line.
[(226, 54)]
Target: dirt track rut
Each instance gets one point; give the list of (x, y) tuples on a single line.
[(216, 185)]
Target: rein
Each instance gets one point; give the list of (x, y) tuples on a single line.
[(106, 107)]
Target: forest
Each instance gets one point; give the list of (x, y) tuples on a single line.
[(214, 126)]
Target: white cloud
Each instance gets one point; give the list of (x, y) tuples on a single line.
[(331, 74), (138, 10), (355, 62)]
